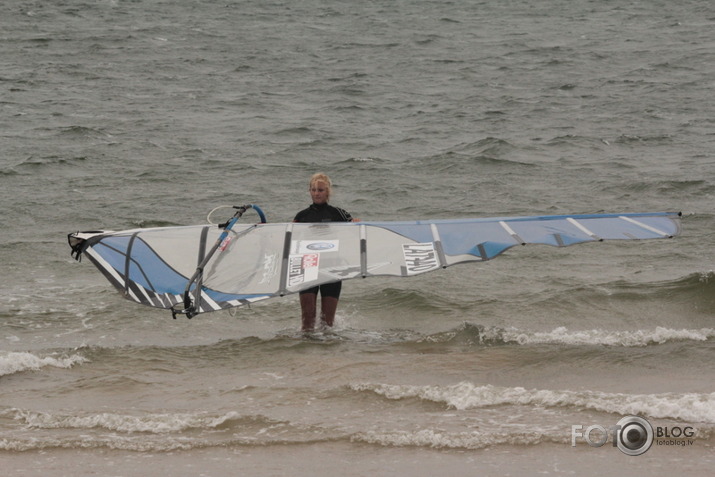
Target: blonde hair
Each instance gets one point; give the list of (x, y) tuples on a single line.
[(320, 177)]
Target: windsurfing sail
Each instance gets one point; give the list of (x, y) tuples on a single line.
[(202, 268)]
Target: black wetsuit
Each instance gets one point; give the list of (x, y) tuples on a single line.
[(324, 213)]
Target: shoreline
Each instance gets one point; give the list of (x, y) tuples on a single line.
[(350, 459)]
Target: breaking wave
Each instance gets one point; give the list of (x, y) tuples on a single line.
[(473, 334), (691, 407), (151, 432), (17, 362), (160, 423)]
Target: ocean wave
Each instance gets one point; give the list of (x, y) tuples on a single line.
[(627, 139), (689, 407), (159, 423), (17, 362), (492, 152), (83, 132), (365, 161), (696, 286), (562, 335), (414, 300), (157, 432), (695, 292), (142, 443), (473, 334), (30, 164), (465, 335), (90, 442)]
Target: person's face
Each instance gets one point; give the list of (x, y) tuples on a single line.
[(319, 192)]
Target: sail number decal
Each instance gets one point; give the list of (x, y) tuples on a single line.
[(304, 260), (420, 257), (303, 268)]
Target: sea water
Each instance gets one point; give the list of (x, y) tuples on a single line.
[(120, 114)]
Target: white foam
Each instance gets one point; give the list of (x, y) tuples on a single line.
[(16, 362), (151, 423), (150, 432), (562, 335), (97, 442), (690, 407)]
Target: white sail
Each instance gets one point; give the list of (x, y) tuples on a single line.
[(157, 266)]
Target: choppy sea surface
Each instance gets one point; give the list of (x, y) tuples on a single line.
[(120, 114)]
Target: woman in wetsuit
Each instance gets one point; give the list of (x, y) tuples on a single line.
[(320, 188)]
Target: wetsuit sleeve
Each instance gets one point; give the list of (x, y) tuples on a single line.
[(344, 214)]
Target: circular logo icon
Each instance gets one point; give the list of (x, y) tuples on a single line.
[(634, 435), (320, 246)]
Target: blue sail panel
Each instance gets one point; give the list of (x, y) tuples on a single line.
[(150, 271)]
